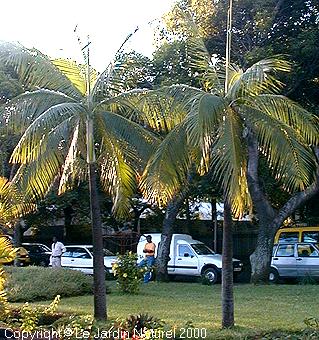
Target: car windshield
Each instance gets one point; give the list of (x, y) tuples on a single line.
[(36, 248), (202, 249), (106, 252)]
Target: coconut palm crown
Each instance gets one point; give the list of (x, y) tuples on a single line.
[(217, 123), (66, 120)]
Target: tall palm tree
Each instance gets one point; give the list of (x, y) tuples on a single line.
[(219, 123), (70, 131)]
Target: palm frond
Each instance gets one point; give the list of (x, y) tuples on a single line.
[(74, 72), (288, 112), (35, 70), (74, 166), (12, 202), (168, 168), (206, 112), (136, 139), (291, 161), (22, 110), (167, 107), (7, 253), (257, 79), (229, 163), (35, 179), (47, 130), (117, 176)]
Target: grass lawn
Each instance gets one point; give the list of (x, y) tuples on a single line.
[(258, 309)]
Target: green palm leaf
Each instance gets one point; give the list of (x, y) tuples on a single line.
[(22, 110), (290, 113), (168, 168), (12, 202), (117, 177), (35, 70), (257, 79), (137, 139), (229, 162), (49, 129), (291, 160)]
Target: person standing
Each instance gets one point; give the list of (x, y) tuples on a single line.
[(57, 250), (149, 250)]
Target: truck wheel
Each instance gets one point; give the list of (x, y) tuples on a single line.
[(273, 276), (211, 275)]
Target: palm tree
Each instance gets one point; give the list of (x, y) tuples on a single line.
[(220, 123), (70, 131)]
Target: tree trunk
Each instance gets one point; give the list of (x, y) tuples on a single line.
[(214, 222), (260, 259), (167, 231), (68, 213), (97, 238), (270, 219), (17, 236), (188, 216), (227, 270)]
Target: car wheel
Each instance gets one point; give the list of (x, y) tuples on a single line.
[(273, 276), (210, 275)]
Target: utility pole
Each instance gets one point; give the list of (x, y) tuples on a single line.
[(227, 252)]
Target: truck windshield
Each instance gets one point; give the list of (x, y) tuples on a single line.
[(202, 249)]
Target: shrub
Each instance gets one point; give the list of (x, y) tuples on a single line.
[(128, 275), (38, 283)]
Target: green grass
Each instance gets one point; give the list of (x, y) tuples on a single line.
[(258, 309)]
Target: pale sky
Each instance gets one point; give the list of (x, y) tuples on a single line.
[(49, 25)]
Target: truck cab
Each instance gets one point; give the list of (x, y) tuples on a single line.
[(190, 257)]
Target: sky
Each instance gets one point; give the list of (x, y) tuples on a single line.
[(48, 25)]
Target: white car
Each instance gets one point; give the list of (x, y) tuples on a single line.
[(80, 257)]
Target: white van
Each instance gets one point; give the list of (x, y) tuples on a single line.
[(190, 257)]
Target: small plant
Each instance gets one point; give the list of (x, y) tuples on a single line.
[(141, 326), (312, 323), (30, 316), (75, 327), (128, 275), (308, 280)]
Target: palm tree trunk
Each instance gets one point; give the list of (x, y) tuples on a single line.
[(97, 238), (214, 221), (17, 236), (227, 270), (164, 246)]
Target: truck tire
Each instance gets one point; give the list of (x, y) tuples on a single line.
[(211, 275), (273, 276)]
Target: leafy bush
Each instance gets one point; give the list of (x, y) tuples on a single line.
[(38, 283), (128, 275)]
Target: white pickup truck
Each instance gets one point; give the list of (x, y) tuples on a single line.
[(190, 257)]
